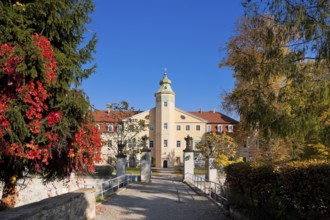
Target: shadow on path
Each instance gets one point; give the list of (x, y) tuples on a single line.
[(164, 198)]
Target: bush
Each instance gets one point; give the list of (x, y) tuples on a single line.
[(103, 170), (292, 190)]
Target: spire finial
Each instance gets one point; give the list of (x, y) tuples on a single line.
[(165, 71)]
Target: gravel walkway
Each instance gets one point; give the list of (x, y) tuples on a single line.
[(163, 198)]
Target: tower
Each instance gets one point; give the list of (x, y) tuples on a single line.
[(165, 123)]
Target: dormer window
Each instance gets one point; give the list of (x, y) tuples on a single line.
[(230, 128), (110, 128), (219, 128)]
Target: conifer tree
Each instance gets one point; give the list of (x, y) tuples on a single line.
[(45, 122)]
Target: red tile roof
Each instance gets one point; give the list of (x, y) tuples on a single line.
[(114, 116), (215, 117), (103, 119)]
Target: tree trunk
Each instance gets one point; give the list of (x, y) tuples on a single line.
[(9, 193)]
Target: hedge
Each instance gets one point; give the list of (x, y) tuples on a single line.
[(292, 190)]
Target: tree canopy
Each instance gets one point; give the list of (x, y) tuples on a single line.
[(45, 120), (224, 148), (280, 56)]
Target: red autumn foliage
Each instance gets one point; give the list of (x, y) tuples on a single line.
[(33, 95)]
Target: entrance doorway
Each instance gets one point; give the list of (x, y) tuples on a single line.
[(165, 164)]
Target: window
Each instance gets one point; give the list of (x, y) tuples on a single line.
[(110, 143), (219, 128), (131, 143), (178, 143), (198, 127), (208, 128), (151, 127), (165, 104), (119, 128), (230, 128), (110, 128), (165, 125), (178, 127), (187, 127), (165, 143), (151, 144)]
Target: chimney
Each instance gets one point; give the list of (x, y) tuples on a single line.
[(109, 108), (214, 110), (200, 110)]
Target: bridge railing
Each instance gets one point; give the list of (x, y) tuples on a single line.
[(214, 190), (111, 185)]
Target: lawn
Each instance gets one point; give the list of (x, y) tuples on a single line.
[(199, 171), (130, 170)]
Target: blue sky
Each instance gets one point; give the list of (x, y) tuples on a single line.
[(138, 38)]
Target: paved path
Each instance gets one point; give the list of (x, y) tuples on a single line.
[(164, 198)]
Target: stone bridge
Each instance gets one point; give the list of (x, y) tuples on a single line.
[(165, 197)]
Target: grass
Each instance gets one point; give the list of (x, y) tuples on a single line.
[(199, 171), (130, 170), (101, 198), (137, 170)]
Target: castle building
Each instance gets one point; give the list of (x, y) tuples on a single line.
[(167, 126)]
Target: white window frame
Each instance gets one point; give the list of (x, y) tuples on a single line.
[(187, 127), (208, 128), (165, 143), (119, 128), (165, 103), (219, 128), (230, 128), (151, 143), (178, 127), (109, 143), (178, 143), (198, 127), (110, 126), (165, 125)]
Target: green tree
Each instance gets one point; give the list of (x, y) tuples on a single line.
[(45, 122), (225, 148), (280, 57), (126, 129)]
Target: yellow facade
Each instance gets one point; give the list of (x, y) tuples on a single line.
[(167, 126)]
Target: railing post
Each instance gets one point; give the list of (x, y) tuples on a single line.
[(102, 190)]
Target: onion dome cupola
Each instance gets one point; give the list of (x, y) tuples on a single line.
[(165, 85)]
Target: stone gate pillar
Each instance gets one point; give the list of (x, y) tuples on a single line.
[(121, 160), (188, 158), (145, 162), (211, 171)]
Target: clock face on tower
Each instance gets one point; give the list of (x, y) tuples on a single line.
[(166, 98)]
